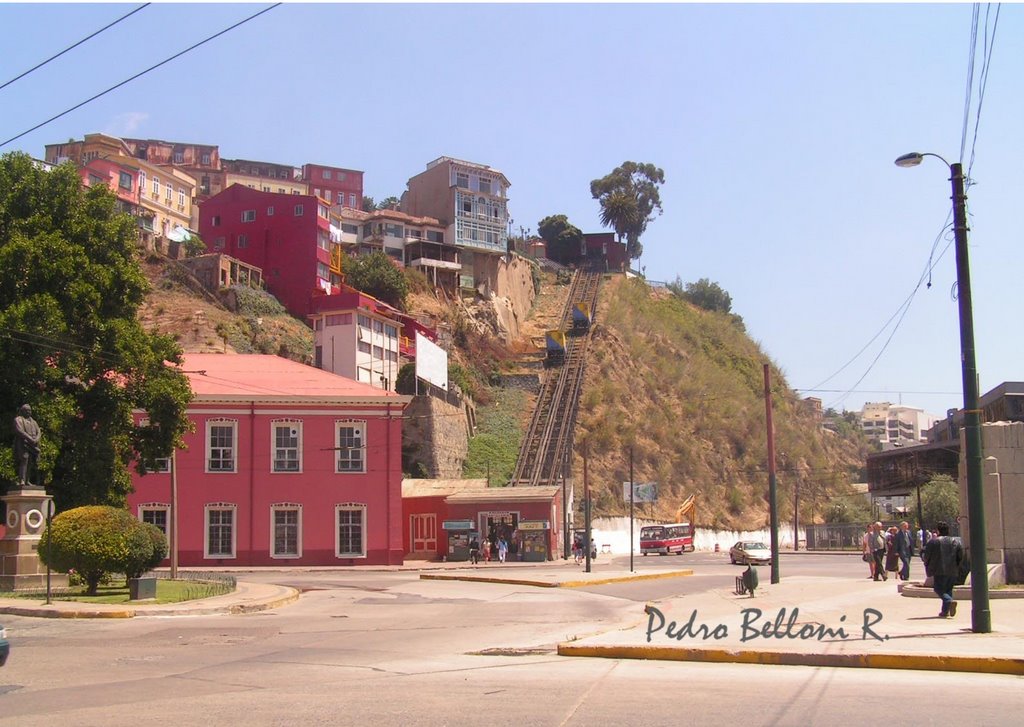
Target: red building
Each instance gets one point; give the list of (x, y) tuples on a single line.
[(285, 235), (441, 515), (287, 464), (336, 185), (604, 246)]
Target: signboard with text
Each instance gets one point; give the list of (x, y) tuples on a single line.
[(642, 491)]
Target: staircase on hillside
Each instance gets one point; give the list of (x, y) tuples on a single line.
[(548, 442)]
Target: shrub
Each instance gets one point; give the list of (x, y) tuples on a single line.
[(149, 547), (405, 382), (96, 540)]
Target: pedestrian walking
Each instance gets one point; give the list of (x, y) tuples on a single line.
[(474, 551), (502, 549), (905, 549), (878, 551), (892, 556), (868, 551), (487, 551), (942, 558)]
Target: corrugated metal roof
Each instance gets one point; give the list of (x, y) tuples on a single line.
[(439, 488), (504, 494)]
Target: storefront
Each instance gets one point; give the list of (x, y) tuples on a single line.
[(528, 519)]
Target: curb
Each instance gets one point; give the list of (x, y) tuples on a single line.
[(291, 595), (926, 662), (960, 593), (556, 584)]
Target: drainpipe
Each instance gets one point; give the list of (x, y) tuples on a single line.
[(387, 482), (252, 476)]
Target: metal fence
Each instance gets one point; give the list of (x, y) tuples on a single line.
[(848, 536)]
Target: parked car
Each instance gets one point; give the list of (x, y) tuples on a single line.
[(5, 646), (747, 552)]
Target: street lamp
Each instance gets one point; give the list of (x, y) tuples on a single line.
[(981, 616)]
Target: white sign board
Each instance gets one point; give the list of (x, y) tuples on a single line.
[(642, 491), (431, 362)]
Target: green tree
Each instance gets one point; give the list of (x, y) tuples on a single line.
[(376, 275), (389, 203), (940, 500), (562, 237), (707, 295), (96, 540), (148, 550), (629, 197), (194, 246), (368, 204), (70, 290)]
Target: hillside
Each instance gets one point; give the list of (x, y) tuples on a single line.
[(682, 385), (238, 322), (685, 388)]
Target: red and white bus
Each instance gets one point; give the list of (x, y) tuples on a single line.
[(665, 539)]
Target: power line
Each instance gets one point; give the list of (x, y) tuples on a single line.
[(985, 66), (72, 47), (138, 75), (970, 78), (901, 311)]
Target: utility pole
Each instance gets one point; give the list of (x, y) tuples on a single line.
[(773, 507), (796, 514), (632, 489), (586, 507)]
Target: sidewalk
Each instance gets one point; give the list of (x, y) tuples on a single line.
[(818, 621)]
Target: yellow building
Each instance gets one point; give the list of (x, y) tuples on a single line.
[(166, 193)]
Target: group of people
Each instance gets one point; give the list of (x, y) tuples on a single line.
[(890, 551), (500, 547)]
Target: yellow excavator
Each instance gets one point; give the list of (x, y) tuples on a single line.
[(687, 512)]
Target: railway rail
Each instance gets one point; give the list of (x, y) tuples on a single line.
[(549, 439)]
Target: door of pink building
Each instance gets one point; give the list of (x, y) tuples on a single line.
[(424, 533)]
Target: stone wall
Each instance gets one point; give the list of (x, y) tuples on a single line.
[(436, 433), (1002, 446)]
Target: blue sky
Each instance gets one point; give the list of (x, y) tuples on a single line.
[(776, 126)]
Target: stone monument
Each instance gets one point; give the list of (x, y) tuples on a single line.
[(27, 508)]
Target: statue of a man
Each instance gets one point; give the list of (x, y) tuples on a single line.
[(26, 444)]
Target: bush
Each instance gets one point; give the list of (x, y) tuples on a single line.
[(149, 548), (97, 540), (405, 382)]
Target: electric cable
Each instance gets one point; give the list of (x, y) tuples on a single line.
[(983, 82), (72, 47), (141, 73), (970, 77)]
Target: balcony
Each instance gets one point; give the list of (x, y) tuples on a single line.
[(429, 262)]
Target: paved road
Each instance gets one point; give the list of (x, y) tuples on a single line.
[(390, 649)]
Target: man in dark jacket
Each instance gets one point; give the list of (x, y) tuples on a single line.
[(878, 544), (905, 549), (942, 557)]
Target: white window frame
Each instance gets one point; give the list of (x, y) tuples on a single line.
[(360, 426), (233, 423), (298, 209), (220, 507), (156, 186), (181, 197), (156, 507), (286, 507), (248, 215), (359, 507), (295, 424)]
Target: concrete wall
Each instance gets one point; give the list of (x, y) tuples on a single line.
[(1002, 445), (438, 435)]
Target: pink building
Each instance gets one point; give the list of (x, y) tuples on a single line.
[(288, 464), (336, 185), (285, 235)]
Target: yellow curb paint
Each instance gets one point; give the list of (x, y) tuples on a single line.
[(556, 584), (926, 662)]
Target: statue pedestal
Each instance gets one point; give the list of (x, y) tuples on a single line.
[(20, 569)]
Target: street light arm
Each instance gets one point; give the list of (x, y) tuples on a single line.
[(914, 158)]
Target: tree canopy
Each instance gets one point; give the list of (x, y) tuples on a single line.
[(704, 294), (940, 500), (562, 237), (629, 196), (70, 289), (376, 275)]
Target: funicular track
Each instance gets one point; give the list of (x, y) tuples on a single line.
[(548, 441)]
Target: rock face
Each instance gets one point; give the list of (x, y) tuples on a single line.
[(436, 434), (512, 296)]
